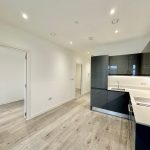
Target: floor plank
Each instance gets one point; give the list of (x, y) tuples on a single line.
[(71, 126)]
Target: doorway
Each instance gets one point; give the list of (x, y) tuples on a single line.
[(13, 80), (78, 81)]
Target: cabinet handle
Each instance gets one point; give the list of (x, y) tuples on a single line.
[(130, 108)]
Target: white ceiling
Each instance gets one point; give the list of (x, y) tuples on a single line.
[(46, 16)]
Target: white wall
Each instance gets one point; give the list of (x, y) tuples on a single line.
[(11, 75), (52, 69), (122, 47), (78, 76)]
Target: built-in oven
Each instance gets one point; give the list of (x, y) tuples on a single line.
[(132, 126)]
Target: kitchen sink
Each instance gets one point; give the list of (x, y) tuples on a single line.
[(142, 101), (117, 89)]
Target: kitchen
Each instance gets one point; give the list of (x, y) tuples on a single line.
[(120, 86), (86, 78)]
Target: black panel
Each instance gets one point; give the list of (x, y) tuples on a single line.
[(134, 61), (145, 68), (118, 65), (142, 137), (99, 71), (99, 98), (118, 101)]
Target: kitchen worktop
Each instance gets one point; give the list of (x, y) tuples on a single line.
[(141, 113)]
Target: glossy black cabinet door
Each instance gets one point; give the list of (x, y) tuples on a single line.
[(118, 65), (134, 62), (118, 101), (142, 137), (99, 98), (99, 71), (145, 65)]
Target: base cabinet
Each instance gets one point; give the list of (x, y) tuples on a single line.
[(99, 98), (139, 134), (142, 137), (118, 101), (110, 100)]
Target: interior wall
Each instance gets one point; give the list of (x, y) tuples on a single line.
[(52, 69), (78, 76), (11, 75), (130, 46)]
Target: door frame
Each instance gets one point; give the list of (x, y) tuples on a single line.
[(80, 77), (27, 78)]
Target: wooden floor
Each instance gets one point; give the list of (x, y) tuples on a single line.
[(71, 126)]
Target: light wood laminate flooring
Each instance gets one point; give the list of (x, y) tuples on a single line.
[(71, 126)]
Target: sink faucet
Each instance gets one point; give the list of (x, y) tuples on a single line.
[(118, 84)]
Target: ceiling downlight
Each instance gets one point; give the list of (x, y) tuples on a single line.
[(112, 11), (116, 31), (52, 34), (25, 16)]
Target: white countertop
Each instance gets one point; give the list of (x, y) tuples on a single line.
[(141, 113)]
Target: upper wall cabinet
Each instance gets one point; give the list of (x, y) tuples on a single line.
[(125, 64), (145, 64), (134, 64), (118, 65)]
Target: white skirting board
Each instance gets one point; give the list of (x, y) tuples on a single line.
[(41, 113)]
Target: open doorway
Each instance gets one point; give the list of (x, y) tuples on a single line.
[(13, 81), (78, 80)]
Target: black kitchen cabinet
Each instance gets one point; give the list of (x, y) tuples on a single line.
[(99, 71), (142, 137), (139, 133), (145, 64), (134, 64), (99, 98), (118, 101), (118, 65), (99, 81), (125, 64)]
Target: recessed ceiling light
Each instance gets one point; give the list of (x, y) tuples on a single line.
[(76, 22), (116, 31), (71, 42), (88, 52), (24, 16), (53, 34), (90, 38), (112, 11)]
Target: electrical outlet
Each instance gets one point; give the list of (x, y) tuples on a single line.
[(143, 83), (50, 98)]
